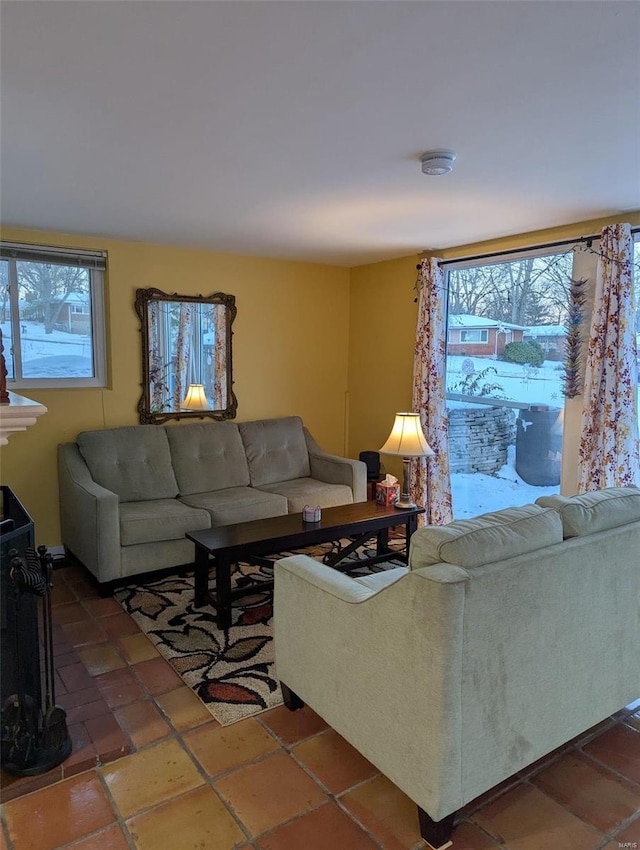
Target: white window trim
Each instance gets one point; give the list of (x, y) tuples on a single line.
[(98, 328), (483, 332)]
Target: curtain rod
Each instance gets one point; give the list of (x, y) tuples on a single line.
[(578, 240)]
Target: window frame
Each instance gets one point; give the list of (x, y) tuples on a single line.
[(483, 333), (95, 264)]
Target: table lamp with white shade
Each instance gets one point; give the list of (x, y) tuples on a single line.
[(407, 440)]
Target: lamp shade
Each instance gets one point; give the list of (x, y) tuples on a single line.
[(195, 398), (407, 438)]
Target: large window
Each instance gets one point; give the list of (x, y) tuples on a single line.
[(52, 316), (506, 340)]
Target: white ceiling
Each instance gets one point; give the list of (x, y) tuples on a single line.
[(294, 129)]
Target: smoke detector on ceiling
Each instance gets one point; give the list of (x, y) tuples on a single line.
[(437, 162)]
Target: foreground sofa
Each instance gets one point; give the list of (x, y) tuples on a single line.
[(128, 495), (507, 636)]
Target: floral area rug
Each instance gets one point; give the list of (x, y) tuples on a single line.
[(232, 672)]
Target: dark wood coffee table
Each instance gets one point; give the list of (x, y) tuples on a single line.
[(228, 544)]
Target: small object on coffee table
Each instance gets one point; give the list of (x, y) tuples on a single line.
[(310, 514)]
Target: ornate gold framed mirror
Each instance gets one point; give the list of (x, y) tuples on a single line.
[(186, 355)]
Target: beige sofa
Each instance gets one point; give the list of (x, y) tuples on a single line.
[(508, 635), (128, 495)]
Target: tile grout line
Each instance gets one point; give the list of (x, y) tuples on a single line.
[(210, 782), (286, 749), (120, 820), (566, 809), (178, 736), (607, 835), (610, 836), (608, 767), (5, 829), (336, 798)]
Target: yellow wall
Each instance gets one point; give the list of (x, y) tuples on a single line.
[(332, 345), (382, 336), (290, 351)]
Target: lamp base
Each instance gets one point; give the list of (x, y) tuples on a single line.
[(405, 501), (403, 504)]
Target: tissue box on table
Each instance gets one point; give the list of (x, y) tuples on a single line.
[(388, 491)]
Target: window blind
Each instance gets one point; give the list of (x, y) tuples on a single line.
[(61, 256)]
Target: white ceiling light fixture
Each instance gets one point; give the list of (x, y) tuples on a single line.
[(437, 162)]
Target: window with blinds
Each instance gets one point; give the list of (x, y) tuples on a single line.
[(52, 316)]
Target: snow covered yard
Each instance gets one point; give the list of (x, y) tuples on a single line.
[(533, 385), (55, 355), (474, 493)]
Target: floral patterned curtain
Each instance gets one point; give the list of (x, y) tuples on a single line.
[(157, 376), (220, 358), (183, 350), (430, 481), (609, 446)]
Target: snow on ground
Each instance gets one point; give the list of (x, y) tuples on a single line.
[(540, 385), (474, 493), (55, 355)]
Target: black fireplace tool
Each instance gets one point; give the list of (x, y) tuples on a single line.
[(34, 738)]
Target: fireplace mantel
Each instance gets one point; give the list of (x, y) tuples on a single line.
[(18, 415)]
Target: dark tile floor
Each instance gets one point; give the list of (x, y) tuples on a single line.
[(151, 769)]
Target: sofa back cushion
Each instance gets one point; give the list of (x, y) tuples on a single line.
[(133, 462), (487, 538), (207, 456), (588, 513), (276, 450)]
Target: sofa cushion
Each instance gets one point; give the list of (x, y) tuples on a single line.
[(309, 491), (159, 519), (207, 456), (237, 504), (588, 513), (276, 450), (487, 538), (133, 461)]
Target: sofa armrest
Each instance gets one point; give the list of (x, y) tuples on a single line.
[(333, 469), (89, 516), (332, 581)]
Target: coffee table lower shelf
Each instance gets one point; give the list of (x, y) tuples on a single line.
[(251, 541)]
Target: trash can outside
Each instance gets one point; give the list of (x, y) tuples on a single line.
[(539, 445)]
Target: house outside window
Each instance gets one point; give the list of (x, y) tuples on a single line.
[(52, 316)]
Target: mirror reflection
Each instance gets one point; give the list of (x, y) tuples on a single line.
[(186, 355)]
